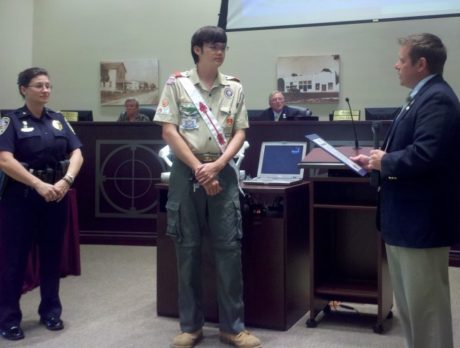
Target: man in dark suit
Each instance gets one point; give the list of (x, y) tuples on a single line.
[(278, 111), (419, 194)]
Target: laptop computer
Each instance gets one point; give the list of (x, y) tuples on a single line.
[(278, 163)]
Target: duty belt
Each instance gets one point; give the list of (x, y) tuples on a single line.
[(48, 174), (207, 157)]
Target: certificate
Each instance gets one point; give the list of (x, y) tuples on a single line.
[(316, 139)]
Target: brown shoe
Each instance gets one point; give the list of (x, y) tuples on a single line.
[(242, 340), (187, 339)]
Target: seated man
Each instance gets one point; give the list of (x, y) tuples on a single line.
[(278, 111), (131, 113)]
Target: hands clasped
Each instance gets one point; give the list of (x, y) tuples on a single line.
[(52, 193), (206, 174)]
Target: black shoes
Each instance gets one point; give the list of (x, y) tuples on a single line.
[(13, 333), (52, 323)]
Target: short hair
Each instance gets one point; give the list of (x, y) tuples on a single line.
[(428, 46), (272, 94), (132, 100), (207, 34), (27, 75)]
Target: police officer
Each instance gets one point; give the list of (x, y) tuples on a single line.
[(35, 143), (204, 186)]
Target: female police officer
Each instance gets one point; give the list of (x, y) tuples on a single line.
[(40, 154)]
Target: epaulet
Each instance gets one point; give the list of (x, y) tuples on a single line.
[(19, 113), (232, 78), (50, 111), (181, 74), (172, 78)]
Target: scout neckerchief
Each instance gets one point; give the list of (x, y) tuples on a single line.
[(203, 109)]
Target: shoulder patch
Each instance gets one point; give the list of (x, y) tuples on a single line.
[(4, 123)]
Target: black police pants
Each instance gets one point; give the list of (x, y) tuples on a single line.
[(26, 221)]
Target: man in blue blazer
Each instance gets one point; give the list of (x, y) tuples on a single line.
[(419, 193), (278, 111)]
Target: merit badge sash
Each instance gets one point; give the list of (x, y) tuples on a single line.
[(207, 115)]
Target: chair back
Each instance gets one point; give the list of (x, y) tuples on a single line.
[(148, 111)]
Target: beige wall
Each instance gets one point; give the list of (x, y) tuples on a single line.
[(16, 27), (70, 38)]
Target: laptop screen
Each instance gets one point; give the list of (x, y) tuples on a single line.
[(281, 159)]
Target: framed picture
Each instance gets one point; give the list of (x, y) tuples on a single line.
[(122, 79), (310, 79)]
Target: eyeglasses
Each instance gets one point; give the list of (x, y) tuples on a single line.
[(41, 86), (218, 47)]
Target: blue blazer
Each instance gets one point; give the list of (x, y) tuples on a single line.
[(287, 113), (419, 200)]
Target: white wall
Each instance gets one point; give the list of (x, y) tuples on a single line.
[(16, 26), (70, 38)]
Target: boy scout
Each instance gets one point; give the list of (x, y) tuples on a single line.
[(204, 118)]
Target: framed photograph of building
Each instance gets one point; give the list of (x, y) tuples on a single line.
[(135, 78), (310, 79)]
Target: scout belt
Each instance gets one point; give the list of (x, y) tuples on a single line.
[(207, 157)]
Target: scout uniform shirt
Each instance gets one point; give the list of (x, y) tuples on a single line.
[(225, 100)]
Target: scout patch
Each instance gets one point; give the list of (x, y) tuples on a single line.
[(229, 121), (57, 124), (189, 116), (228, 92), (4, 123)]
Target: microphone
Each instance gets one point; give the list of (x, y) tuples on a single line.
[(375, 175), (353, 123)]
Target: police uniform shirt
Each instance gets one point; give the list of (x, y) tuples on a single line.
[(225, 100), (37, 141)]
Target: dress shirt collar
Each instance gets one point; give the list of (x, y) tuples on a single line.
[(419, 86)]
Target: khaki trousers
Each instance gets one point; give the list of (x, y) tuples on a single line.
[(420, 282)]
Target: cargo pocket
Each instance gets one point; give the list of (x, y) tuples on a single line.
[(238, 220), (173, 221)]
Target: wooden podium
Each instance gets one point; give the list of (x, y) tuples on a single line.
[(347, 256)]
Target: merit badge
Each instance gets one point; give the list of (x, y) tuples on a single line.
[(228, 92), (4, 123), (57, 124), (25, 128)]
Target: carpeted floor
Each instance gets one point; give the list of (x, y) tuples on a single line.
[(113, 305)]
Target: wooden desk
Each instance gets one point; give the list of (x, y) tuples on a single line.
[(274, 260), (117, 200), (70, 262)]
